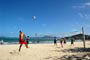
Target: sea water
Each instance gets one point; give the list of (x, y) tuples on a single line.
[(32, 41)]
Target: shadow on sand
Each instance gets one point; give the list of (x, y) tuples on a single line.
[(85, 56), (75, 50), (78, 56)]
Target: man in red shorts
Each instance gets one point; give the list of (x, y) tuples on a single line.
[(21, 40)]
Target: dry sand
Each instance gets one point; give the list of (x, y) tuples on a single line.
[(39, 51)]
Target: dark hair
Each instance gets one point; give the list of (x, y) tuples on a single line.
[(20, 31)]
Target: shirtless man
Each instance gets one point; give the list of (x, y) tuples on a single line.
[(55, 41), (64, 40), (61, 42), (72, 41), (21, 40)]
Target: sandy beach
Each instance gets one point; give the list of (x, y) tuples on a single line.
[(40, 51)]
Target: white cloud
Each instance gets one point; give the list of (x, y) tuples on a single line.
[(78, 7), (84, 16), (87, 16), (82, 6), (81, 15), (87, 4), (88, 25)]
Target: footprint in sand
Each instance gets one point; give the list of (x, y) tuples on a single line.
[(14, 52), (48, 58)]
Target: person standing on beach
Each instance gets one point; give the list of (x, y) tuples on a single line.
[(21, 40), (55, 41), (27, 40), (61, 42), (64, 40), (72, 41)]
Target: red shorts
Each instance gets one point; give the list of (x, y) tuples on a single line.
[(22, 41)]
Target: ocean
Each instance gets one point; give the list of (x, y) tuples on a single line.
[(31, 41)]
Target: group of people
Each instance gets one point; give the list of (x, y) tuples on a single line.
[(63, 41), (23, 40)]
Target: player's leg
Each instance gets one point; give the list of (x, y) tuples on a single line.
[(26, 46), (20, 47)]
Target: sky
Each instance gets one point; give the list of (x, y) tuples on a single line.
[(44, 17)]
